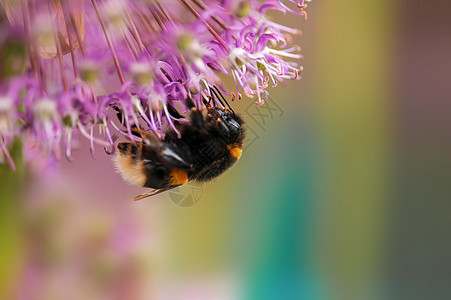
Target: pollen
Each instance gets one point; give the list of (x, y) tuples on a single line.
[(235, 151), (178, 177)]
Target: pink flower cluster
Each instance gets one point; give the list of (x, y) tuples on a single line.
[(69, 65)]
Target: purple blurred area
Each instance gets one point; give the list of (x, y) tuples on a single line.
[(419, 246)]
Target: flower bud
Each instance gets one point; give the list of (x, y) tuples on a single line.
[(243, 9), (6, 114), (89, 72), (141, 73), (45, 110)]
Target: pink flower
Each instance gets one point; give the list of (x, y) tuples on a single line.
[(83, 61)]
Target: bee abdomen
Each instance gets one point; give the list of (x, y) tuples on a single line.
[(128, 164)]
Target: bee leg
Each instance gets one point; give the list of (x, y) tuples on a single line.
[(173, 112), (196, 117), (206, 103), (190, 103), (148, 137), (153, 193), (120, 117), (143, 196)]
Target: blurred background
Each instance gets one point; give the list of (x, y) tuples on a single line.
[(343, 190)]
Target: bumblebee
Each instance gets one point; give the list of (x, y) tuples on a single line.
[(209, 144)]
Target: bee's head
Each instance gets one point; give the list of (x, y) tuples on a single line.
[(228, 124)]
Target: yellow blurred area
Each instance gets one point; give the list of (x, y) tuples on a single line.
[(354, 106)]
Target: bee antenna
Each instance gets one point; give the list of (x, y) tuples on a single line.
[(222, 97)]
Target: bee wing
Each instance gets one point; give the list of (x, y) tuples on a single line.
[(171, 156), (153, 193)]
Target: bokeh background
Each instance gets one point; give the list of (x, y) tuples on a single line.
[(343, 190)]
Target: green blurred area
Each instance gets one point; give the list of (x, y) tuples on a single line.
[(11, 187)]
